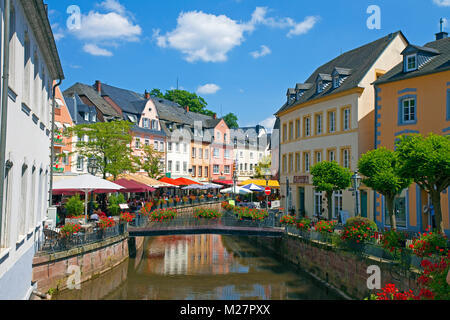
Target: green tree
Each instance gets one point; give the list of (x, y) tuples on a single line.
[(156, 93), (329, 177), (188, 99), (231, 120), (426, 160), (151, 162), (380, 169), (264, 163), (109, 143)]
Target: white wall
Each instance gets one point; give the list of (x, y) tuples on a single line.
[(28, 144)]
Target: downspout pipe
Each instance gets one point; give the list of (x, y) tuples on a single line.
[(4, 112), (52, 143)]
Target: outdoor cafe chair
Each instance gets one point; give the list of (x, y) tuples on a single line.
[(50, 238)]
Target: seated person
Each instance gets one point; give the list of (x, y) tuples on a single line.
[(94, 216)]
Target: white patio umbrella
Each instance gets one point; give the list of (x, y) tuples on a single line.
[(86, 183), (253, 187), (236, 189)]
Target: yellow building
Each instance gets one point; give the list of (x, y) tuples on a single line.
[(331, 117), (414, 97)]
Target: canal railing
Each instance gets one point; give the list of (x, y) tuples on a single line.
[(227, 224), (405, 259), (52, 242)]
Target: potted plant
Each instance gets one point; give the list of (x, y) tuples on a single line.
[(103, 224), (114, 201), (74, 207), (357, 231)]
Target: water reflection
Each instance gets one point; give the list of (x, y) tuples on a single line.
[(209, 267)]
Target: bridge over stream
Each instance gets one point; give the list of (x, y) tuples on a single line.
[(226, 225)]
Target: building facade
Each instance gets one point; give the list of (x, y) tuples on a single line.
[(330, 117), (33, 66), (414, 98), (251, 145), (62, 144)]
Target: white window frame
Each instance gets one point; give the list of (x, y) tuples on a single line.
[(407, 62), (409, 113)]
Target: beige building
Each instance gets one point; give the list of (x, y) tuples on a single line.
[(330, 117)]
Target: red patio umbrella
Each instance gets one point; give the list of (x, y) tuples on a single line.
[(186, 182), (133, 186), (170, 181)]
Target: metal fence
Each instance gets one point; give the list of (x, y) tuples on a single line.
[(374, 249), (52, 242)]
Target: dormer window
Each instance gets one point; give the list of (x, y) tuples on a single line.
[(86, 116), (411, 62), (336, 82), (319, 86)]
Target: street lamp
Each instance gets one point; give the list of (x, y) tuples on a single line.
[(356, 183), (92, 168)]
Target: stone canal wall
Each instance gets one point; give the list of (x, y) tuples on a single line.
[(343, 270), (51, 271)]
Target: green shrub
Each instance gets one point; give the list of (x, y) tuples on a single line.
[(358, 220), (74, 206), (114, 202)]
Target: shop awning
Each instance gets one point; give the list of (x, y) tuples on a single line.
[(261, 183)]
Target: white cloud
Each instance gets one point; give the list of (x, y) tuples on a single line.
[(110, 26), (202, 36), (263, 52), (303, 27), (96, 50), (113, 5), (209, 88), (268, 123), (58, 32), (442, 3), (209, 38)]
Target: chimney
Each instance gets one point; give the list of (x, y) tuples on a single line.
[(187, 108), (442, 34), (98, 86), (147, 95), (215, 116)]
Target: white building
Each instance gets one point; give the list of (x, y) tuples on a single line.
[(33, 65), (251, 145)]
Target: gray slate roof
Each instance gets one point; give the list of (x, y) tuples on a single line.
[(170, 112), (128, 101), (438, 63), (82, 89), (81, 107), (359, 60)]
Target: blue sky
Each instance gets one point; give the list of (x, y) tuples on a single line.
[(240, 55)]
